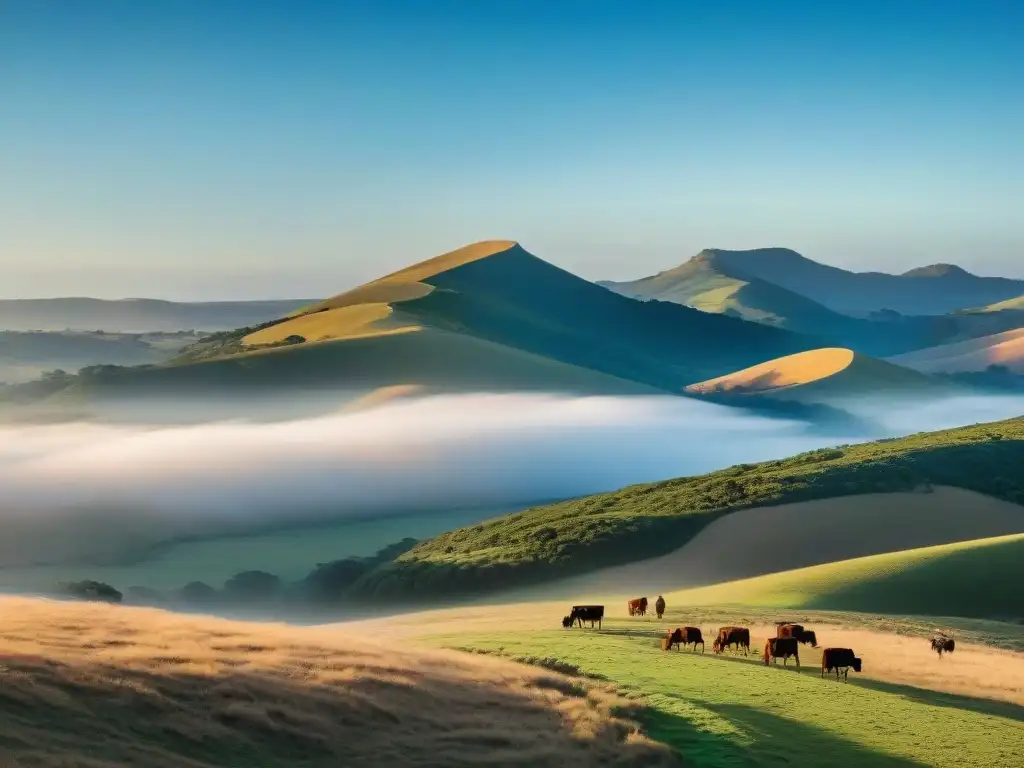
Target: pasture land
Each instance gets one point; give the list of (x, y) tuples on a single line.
[(732, 710), (99, 685), (908, 708), (976, 579), (645, 521)]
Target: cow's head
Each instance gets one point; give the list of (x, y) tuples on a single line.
[(856, 664), (810, 637), (568, 620)]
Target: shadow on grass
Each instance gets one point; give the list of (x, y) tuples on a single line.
[(762, 739), (950, 700), (976, 704)]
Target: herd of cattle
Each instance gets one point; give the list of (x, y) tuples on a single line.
[(789, 636)]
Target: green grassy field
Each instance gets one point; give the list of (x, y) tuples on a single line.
[(645, 521), (730, 712), (970, 578)]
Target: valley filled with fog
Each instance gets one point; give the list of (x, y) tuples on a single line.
[(79, 496)]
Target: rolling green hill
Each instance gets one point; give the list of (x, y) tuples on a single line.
[(645, 521), (967, 579), (487, 315), (138, 315)]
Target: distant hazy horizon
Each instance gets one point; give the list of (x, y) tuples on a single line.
[(207, 151)]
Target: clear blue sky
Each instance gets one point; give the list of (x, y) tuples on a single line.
[(211, 149)]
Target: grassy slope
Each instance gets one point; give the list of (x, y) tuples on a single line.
[(969, 578), (650, 520), (89, 685), (720, 711)]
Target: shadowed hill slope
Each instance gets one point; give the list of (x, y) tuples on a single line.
[(646, 521), (933, 290)]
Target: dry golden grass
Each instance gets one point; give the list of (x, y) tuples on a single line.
[(356, 321), (407, 284), (92, 685), (972, 355), (764, 540), (781, 373)]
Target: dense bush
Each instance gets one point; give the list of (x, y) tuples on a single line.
[(90, 590)]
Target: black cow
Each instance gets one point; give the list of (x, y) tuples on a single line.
[(781, 647), (729, 636), (684, 636), (943, 644), (583, 613), (804, 636), (659, 606), (839, 659)]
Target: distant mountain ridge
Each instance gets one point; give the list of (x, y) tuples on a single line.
[(727, 282), (138, 315), (931, 290)]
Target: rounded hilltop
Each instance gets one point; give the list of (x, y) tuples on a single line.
[(830, 370)]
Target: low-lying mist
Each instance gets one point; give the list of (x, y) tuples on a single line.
[(92, 491)]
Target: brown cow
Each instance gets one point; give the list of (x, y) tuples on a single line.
[(659, 606), (683, 636), (839, 659), (943, 644), (805, 636), (729, 636), (637, 606), (781, 647)]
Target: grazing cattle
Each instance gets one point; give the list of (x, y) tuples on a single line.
[(839, 659), (637, 607), (943, 644), (805, 636), (729, 636), (659, 606), (683, 636), (781, 647), (583, 613)]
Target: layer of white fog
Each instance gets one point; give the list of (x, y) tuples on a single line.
[(90, 490)]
